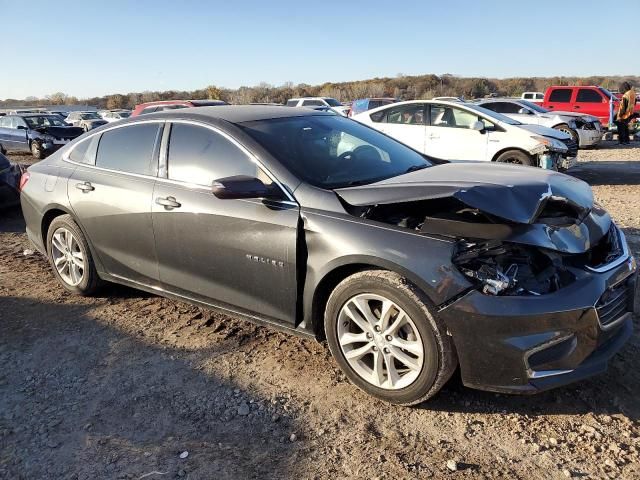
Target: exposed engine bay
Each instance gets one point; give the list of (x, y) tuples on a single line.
[(503, 257)]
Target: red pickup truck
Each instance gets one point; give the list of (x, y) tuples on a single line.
[(590, 100)]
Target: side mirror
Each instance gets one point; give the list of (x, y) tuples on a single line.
[(242, 186), (21, 127), (478, 126), (524, 111)]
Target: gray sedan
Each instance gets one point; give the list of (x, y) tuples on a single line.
[(318, 225)]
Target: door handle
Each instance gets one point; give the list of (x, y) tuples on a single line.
[(169, 203), (86, 187)]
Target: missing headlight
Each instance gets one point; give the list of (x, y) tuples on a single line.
[(507, 269)]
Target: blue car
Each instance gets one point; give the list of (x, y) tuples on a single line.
[(38, 133), (364, 104)]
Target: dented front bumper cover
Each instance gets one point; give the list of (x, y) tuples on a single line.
[(526, 344)]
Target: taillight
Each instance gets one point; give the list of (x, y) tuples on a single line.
[(23, 180)]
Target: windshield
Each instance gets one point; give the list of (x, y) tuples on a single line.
[(90, 116), (45, 121), (333, 102), (491, 114), (534, 106), (330, 151)]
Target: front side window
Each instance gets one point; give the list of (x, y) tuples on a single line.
[(412, 114), (292, 103), (330, 151), (527, 96), (198, 155), (561, 95), (589, 95), (5, 122), (312, 103), (503, 107), (129, 149), (451, 117)]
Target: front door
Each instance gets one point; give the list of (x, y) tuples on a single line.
[(12, 137), (236, 253), (112, 199), (450, 137)]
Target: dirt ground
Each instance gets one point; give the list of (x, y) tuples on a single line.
[(122, 385)]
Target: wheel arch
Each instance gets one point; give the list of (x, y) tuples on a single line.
[(337, 272), (506, 149), (52, 212)]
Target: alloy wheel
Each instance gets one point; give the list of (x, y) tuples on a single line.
[(67, 256), (380, 342)]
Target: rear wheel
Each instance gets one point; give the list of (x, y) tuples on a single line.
[(382, 333), (70, 256), (517, 157)]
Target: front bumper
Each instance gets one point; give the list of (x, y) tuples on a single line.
[(589, 138), (526, 344)]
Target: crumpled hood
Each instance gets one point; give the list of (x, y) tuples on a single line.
[(545, 131), (586, 118), (61, 132), (514, 193)]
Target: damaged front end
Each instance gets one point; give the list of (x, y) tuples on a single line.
[(551, 281)]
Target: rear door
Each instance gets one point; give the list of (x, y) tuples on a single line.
[(111, 193), (406, 123), (450, 137), (237, 253)]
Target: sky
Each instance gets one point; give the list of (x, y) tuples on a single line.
[(94, 48)]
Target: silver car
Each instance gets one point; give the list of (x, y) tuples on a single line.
[(85, 120), (586, 130)]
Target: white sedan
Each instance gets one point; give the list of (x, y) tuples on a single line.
[(116, 115), (460, 131)]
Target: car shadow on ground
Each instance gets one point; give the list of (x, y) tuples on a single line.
[(82, 399), (11, 220), (607, 173)]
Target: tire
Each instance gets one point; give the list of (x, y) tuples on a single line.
[(36, 150), (89, 282), (563, 127), (517, 157), (420, 328)]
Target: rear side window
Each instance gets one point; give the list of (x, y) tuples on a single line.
[(588, 95), (85, 151), (129, 149), (412, 114), (527, 96), (5, 122), (199, 155), (312, 103), (292, 103), (560, 95)]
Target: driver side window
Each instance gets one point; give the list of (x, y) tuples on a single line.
[(412, 114)]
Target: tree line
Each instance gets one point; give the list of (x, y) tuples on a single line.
[(403, 87)]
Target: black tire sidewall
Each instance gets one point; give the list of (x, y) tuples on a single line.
[(90, 280), (523, 157), (429, 373)]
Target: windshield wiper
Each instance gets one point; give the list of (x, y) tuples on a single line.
[(414, 168)]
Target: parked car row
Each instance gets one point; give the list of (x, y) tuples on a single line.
[(411, 267), (466, 131)]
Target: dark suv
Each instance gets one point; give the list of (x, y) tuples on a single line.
[(37, 133), (322, 226)]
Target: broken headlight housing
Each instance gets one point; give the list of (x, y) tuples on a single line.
[(500, 268)]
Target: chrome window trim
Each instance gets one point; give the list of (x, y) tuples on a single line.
[(65, 156)]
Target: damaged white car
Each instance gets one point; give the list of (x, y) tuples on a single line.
[(586, 130), (458, 131)]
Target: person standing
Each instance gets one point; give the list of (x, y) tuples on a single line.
[(625, 112)]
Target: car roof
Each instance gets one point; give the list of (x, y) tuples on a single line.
[(235, 113)]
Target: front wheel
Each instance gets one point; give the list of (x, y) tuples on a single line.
[(36, 150), (383, 335), (517, 157), (564, 128), (70, 256)]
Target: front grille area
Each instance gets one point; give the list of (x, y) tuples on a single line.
[(572, 147), (614, 303)]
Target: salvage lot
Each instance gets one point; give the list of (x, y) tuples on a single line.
[(120, 385)]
